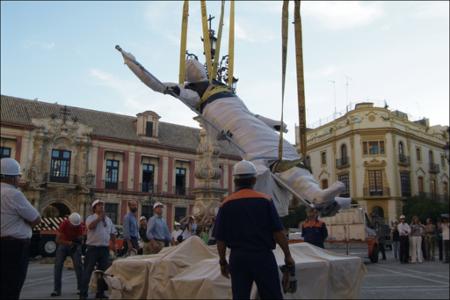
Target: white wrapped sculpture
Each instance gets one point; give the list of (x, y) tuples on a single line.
[(256, 137)]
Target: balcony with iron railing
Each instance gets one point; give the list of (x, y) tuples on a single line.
[(148, 187), (377, 192), (57, 179), (403, 160), (342, 162), (434, 168), (406, 193), (112, 185), (180, 191)]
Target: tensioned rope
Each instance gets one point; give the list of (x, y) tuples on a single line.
[(284, 42), (184, 24)]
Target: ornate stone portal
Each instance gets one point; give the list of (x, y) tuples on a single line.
[(208, 192)]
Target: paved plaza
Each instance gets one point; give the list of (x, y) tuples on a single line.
[(385, 280)]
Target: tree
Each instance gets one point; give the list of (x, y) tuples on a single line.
[(424, 208), (295, 216)]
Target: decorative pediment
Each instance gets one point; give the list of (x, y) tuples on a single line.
[(60, 131), (324, 174), (371, 116), (420, 171), (375, 163)]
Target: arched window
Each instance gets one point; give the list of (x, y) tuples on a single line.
[(431, 157), (344, 152), (433, 189), (378, 211), (401, 150), (420, 184)]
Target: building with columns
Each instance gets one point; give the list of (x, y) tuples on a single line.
[(382, 157), (71, 156)]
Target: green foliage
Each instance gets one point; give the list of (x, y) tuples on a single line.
[(424, 208), (294, 217)]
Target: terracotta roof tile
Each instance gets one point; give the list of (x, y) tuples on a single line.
[(21, 111)]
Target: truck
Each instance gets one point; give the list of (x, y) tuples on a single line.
[(43, 238), (351, 232)]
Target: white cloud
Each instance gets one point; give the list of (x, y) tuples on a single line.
[(251, 33), (136, 97), (337, 15), (39, 44), (431, 10), (321, 72), (334, 15)]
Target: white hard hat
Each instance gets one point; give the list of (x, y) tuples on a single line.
[(177, 224), (402, 217), (244, 169), (10, 167), (75, 219), (97, 201), (142, 218), (157, 204), (195, 71)]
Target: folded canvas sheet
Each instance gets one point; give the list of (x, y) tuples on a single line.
[(191, 271)]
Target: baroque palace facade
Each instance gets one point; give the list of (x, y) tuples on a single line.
[(71, 156), (382, 157)]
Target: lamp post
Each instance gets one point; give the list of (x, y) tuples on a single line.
[(447, 146), (222, 70)]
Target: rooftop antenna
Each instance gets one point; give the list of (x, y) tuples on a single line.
[(347, 78), (334, 92)]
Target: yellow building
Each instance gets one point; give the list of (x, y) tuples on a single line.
[(381, 156), (71, 156)]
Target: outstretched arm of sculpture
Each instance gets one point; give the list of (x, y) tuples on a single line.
[(274, 124), (188, 97)]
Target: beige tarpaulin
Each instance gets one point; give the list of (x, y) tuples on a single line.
[(191, 271)]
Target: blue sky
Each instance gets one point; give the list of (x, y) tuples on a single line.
[(395, 51)]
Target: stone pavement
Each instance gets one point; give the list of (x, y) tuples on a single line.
[(385, 280)]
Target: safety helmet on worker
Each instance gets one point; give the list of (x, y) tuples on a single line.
[(244, 169), (75, 219), (10, 167)]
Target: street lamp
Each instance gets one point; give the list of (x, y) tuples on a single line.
[(447, 150), (447, 146), (222, 70)]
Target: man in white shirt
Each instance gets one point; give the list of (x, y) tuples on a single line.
[(18, 216), (176, 233), (100, 230), (404, 230)]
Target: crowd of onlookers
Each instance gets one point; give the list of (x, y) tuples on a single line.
[(416, 242), (184, 229)]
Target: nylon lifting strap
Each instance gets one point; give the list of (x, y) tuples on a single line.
[(231, 46), (284, 42), (219, 39), (206, 41), (300, 77), (184, 25)]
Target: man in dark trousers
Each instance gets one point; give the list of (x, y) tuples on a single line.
[(100, 231), (404, 230), (248, 224), (131, 229), (18, 216), (69, 238), (314, 231)]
